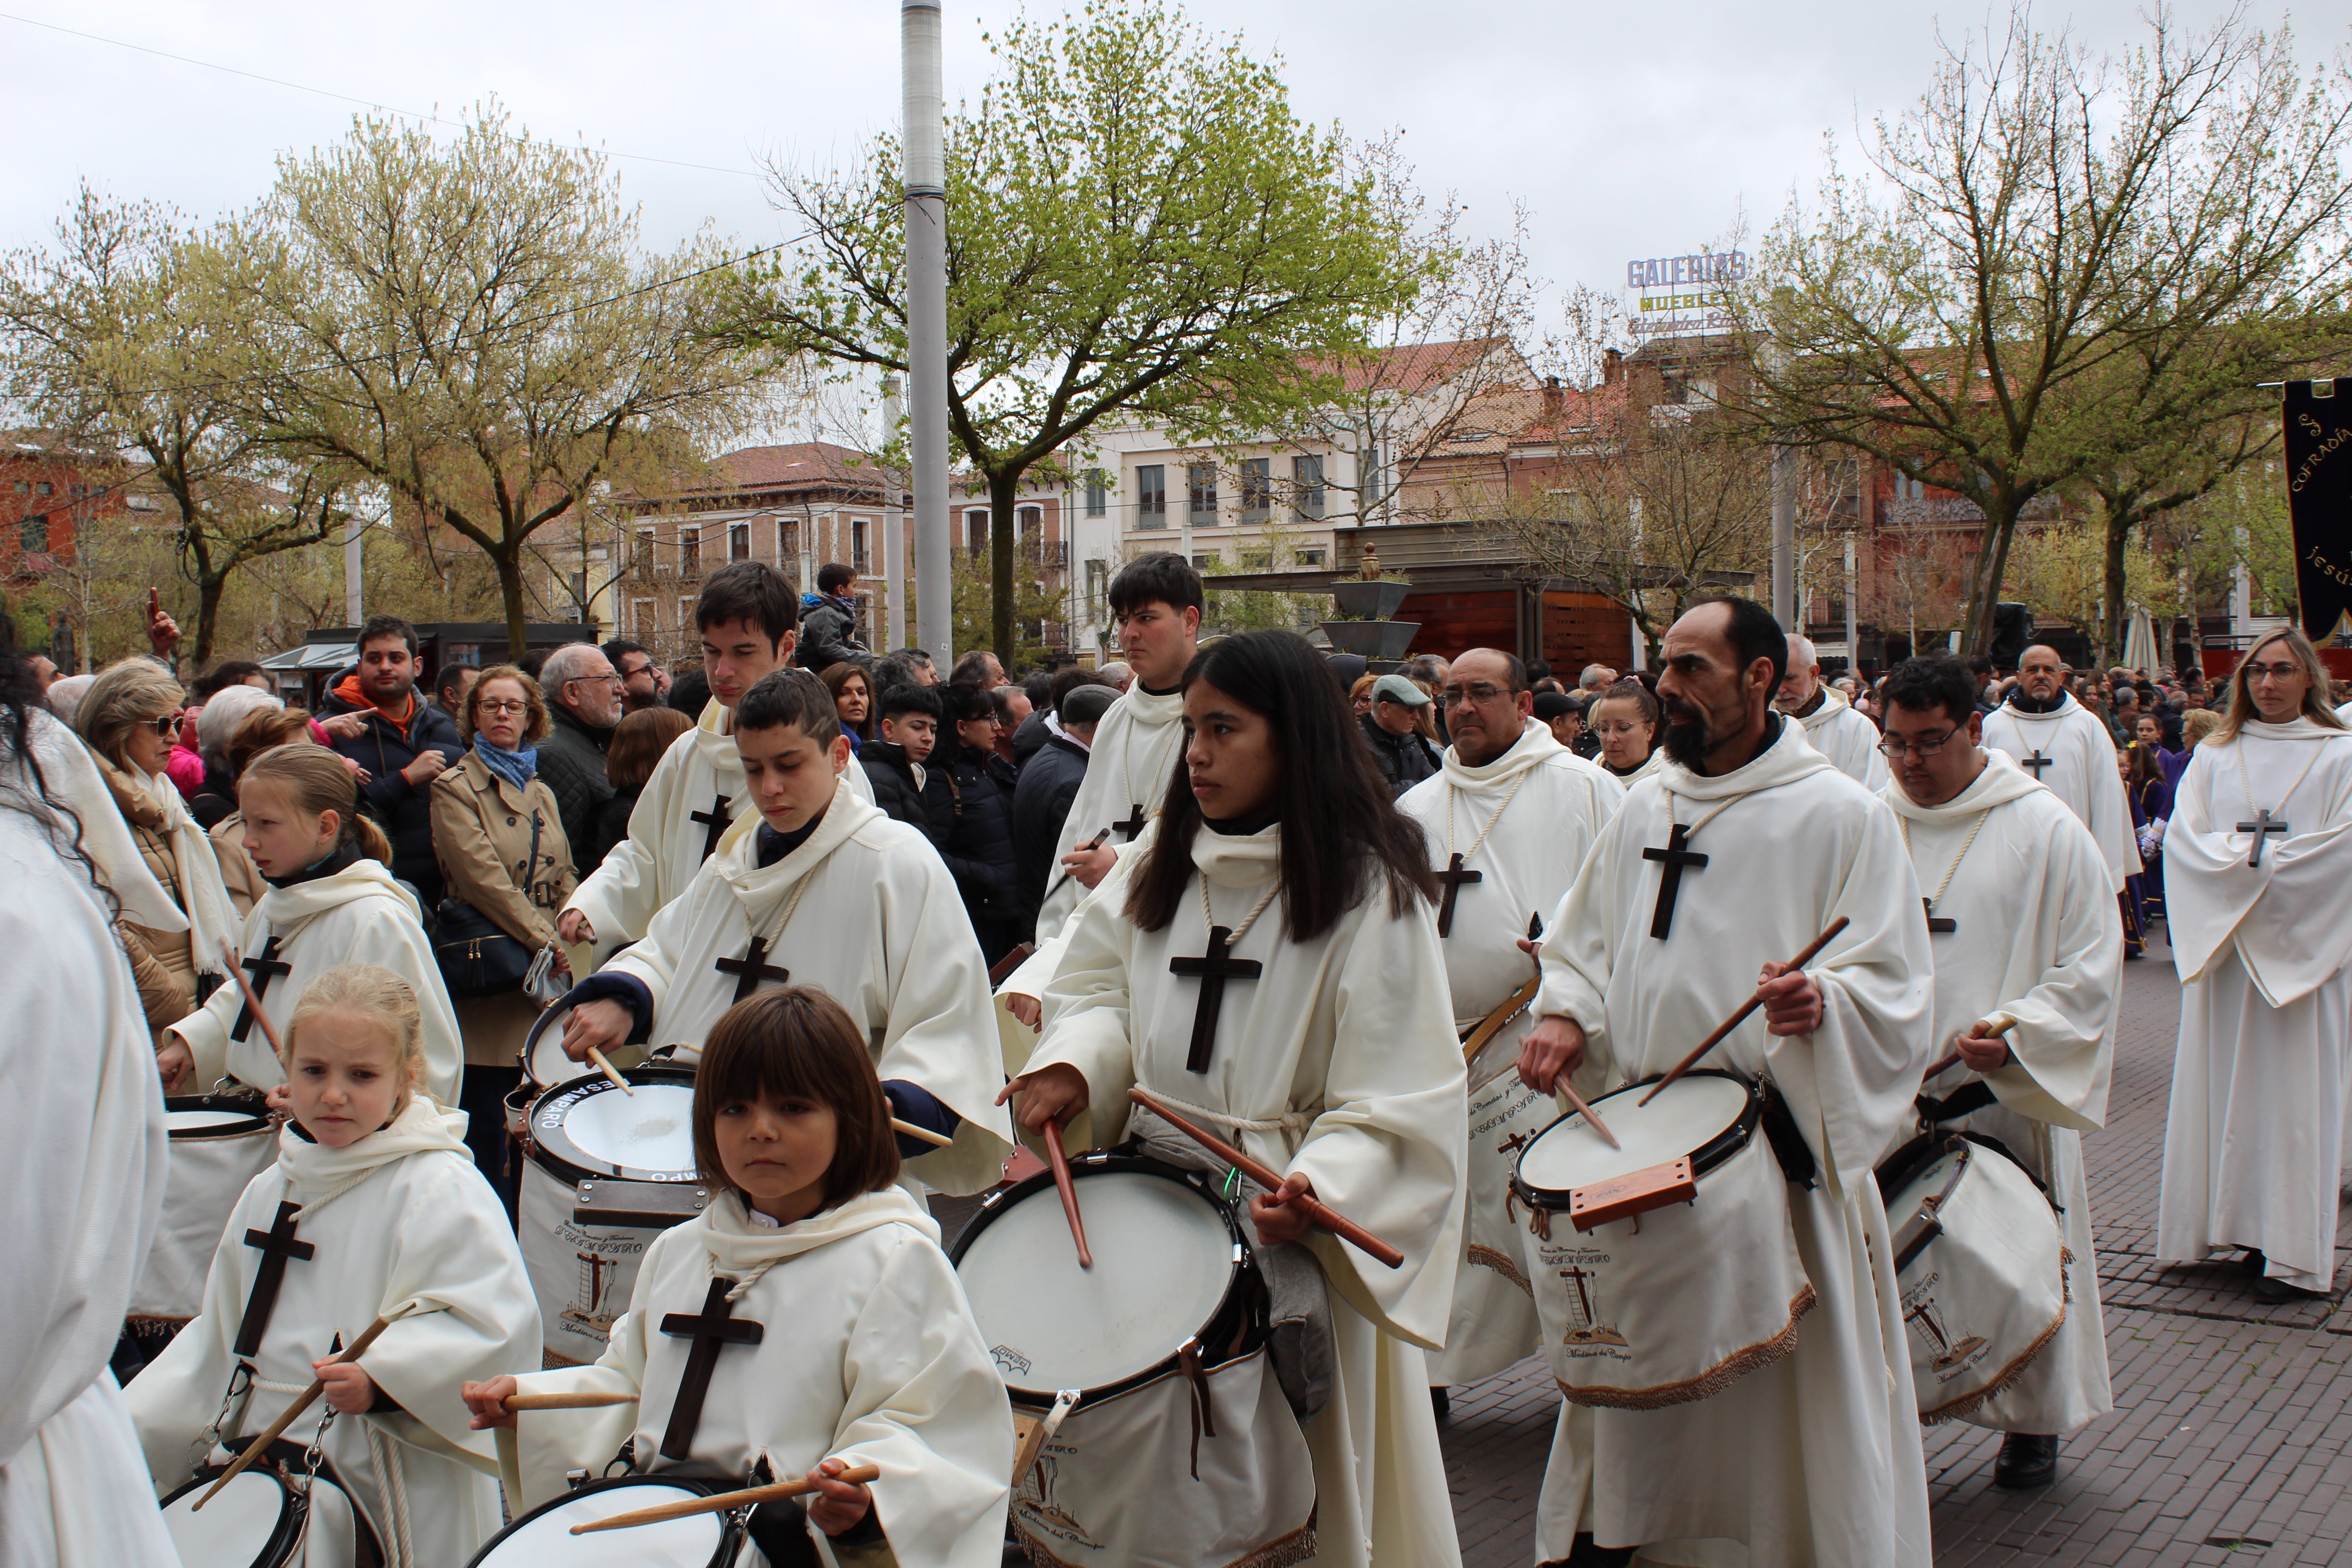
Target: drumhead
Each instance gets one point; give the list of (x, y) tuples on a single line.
[(210, 1116), (590, 1128), (1165, 1258), (543, 1536), (544, 1064), (245, 1525), (1692, 1118)]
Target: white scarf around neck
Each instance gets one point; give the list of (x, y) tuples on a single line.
[(1238, 859), (212, 919), (425, 1125), (2302, 727), (737, 860), (2066, 704), (1785, 760), (363, 878), (70, 770), (1536, 745), (739, 1246), (1152, 709), (1832, 700), (2002, 782)]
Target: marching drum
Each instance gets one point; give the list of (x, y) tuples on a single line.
[(219, 1143), (545, 1067), (1677, 1273), (543, 1539), (1494, 1321), (1166, 1334), (263, 1519), (588, 1129), (1980, 1264)]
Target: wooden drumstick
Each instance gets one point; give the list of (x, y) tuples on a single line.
[(597, 1059), (2001, 1024), (723, 1503), (1812, 950), (269, 1030), (1069, 1191), (1089, 847), (1319, 1212), (286, 1418), (566, 1401), (1591, 1117), (924, 1133)]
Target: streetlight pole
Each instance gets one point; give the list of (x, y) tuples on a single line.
[(925, 109)]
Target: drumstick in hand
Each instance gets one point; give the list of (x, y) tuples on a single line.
[(922, 1133), (597, 1057), (1089, 847), (1317, 1211), (1812, 950), (723, 1503), (1069, 1191), (2001, 1024), (276, 1429), (1591, 1118), (253, 1005)]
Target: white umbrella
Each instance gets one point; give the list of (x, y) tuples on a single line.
[(2139, 644)]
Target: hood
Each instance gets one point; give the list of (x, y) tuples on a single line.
[(347, 691)]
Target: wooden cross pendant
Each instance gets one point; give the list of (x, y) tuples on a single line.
[(717, 820), (1934, 923), (276, 1245), (751, 969), (1214, 969), (264, 967), (2264, 822), (1133, 825), (1674, 858), (713, 1328), (2037, 762), (1453, 876)]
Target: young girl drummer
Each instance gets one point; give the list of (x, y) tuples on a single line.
[(849, 1339), (332, 901), (373, 1210)]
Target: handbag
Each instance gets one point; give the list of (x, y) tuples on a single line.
[(477, 955)]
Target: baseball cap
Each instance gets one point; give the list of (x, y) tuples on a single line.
[(1397, 689)]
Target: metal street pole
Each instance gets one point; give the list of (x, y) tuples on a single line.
[(894, 526), (1784, 539), (353, 572), (923, 96)]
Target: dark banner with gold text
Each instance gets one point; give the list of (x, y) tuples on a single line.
[(2319, 501)]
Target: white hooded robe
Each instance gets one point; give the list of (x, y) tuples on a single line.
[(1846, 738), (2079, 768), (1128, 768)]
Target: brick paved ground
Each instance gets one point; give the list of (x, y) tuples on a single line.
[(2231, 1438)]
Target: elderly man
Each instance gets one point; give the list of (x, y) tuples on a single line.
[(1392, 730), (583, 695), (1596, 678), (1832, 726), (979, 668), (2066, 749)]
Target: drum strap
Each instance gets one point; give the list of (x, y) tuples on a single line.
[(1788, 1145), (1965, 1100), (1205, 1418)]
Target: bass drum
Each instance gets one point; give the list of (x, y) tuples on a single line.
[(1165, 1334), (264, 1519), (543, 1539), (219, 1143), (1980, 1264), (583, 1274)]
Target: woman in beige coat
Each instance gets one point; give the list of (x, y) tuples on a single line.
[(127, 719), (485, 811)]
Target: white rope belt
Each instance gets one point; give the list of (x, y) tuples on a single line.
[(1289, 1121)]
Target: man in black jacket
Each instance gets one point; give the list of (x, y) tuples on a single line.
[(978, 841), (829, 621), (584, 694), (1393, 731), (897, 766), (1049, 782), (374, 715)]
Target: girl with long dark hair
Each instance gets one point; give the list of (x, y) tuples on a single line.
[(1271, 968)]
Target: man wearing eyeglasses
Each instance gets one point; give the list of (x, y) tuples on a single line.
[(2069, 751), (584, 694), (2022, 922)]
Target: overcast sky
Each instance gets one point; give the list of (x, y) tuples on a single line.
[(1627, 129)]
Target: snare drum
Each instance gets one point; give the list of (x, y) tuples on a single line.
[(1677, 1273), (1980, 1264), (261, 1520), (544, 1064), (219, 1143), (1492, 1322), (1171, 1318), (543, 1539), (583, 1274)]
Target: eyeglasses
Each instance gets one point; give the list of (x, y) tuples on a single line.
[(501, 705), (167, 725), (1485, 691), (1894, 748), (610, 677), (2274, 671)]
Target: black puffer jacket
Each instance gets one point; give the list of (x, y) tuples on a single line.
[(572, 767), (829, 636), (927, 806), (1040, 803), (404, 812), (1403, 760), (978, 847)]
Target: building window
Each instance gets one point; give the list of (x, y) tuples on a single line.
[(1306, 486), (44, 487), (1097, 589), (641, 618), (685, 617), (738, 541), (642, 558), (1097, 493), (1310, 558), (1203, 563), (1258, 488), (24, 487), (1030, 524), (689, 552), (788, 541), (1201, 484), (858, 545), (1152, 495), (579, 591), (975, 531), (32, 534)]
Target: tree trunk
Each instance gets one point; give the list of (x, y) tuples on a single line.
[(208, 598), (1993, 562), (510, 564), (2116, 615), (1003, 488)]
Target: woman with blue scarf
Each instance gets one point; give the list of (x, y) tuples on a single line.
[(500, 838)]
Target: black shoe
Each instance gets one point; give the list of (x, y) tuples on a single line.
[(2272, 1292), (2028, 1459), (1584, 1554), (2253, 1262), (1441, 1403)]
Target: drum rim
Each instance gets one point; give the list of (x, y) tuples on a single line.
[(1707, 1158), (249, 1121), (289, 1531), (1902, 1168), (531, 1038), (730, 1534), (1107, 1162), (559, 1156)]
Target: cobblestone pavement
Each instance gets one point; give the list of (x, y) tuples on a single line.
[(2231, 1441)]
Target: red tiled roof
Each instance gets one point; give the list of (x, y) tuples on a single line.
[(796, 466), (1413, 367)]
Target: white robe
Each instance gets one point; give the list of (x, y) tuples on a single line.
[(88, 1176), (2254, 1146), (868, 1354), (1338, 1062), (881, 928), (418, 1237), (1134, 755), (658, 860), (1846, 738), (2040, 939), (1557, 803), (359, 915), (2080, 771), (1815, 1458)]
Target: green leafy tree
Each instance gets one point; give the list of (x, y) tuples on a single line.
[(1138, 224)]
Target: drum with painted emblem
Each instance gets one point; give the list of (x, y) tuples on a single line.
[(543, 1539)]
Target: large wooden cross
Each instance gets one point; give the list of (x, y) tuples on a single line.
[(265, 968), (2264, 822), (1213, 968), (1453, 876), (1133, 825), (1936, 923), (1674, 858), (752, 968), (1576, 1277), (276, 1245), (717, 820), (2037, 762), (711, 1327)]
